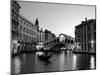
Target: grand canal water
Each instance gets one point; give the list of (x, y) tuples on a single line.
[(61, 61)]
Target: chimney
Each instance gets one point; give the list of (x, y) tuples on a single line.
[(85, 18)]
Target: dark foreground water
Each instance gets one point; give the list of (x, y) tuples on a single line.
[(62, 61)]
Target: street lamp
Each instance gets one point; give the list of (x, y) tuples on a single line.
[(92, 45), (18, 44), (92, 41)]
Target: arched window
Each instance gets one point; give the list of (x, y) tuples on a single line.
[(62, 38), (68, 40), (71, 41)]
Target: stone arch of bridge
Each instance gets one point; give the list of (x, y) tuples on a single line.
[(62, 37), (62, 41)]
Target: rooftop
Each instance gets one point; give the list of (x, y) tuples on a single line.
[(85, 22)]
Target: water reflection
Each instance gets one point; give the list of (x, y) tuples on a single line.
[(74, 67), (16, 65), (62, 61), (23, 59), (92, 62), (29, 63)]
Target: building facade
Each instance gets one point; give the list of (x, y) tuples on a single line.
[(27, 32), (23, 32), (14, 25), (41, 35), (49, 39), (85, 35), (49, 36), (14, 19)]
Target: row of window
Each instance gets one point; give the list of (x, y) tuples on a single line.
[(66, 40), (69, 41), (83, 37), (89, 36), (27, 30), (27, 24), (27, 38), (81, 29), (14, 25), (14, 15), (89, 26), (89, 46)]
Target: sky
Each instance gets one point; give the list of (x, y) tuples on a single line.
[(58, 18)]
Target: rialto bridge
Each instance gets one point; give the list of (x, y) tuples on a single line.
[(62, 41)]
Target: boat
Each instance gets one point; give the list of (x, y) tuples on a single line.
[(39, 46), (42, 57), (42, 52)]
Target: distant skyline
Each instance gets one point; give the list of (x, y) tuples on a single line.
[(58, 18)]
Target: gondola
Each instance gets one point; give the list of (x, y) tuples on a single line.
[(42, 52), (43, 57)]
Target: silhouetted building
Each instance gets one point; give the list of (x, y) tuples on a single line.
[(85, 35)]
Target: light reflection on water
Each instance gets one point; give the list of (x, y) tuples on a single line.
[(29, 63), (92, 62), (62, 61), (16, 65), (74, 67)]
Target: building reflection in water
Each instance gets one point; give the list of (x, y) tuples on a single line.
[(74, 62), (92, 62), (16, 65), (62, 61), (29, 63), (23, 59)]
